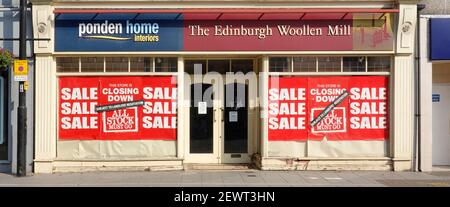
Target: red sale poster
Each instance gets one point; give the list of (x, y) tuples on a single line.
[(78, 97), (159, 114), (155, 119), (369, 108), (288, 108), (322, 92), (120, 124), (360, 114)]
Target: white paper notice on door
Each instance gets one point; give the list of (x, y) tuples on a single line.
[(202, 107), (233, 116)]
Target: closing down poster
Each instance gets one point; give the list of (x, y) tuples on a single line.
[(361, 114), (154, 119)]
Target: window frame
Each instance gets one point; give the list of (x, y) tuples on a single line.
[(152, 72), (341, 72)]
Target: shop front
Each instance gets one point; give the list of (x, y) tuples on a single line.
[(156, 87)]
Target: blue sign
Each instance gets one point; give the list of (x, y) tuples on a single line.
[(118, 32), (436, 97), (440, 38)]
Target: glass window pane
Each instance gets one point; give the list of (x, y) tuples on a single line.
[(201, 139), (166, 64), (141, 64), (220, 66), (189, 66), (244, 65), (304, 64), (67, 64), (235, 118), (3, 122), (116, 64), (280, 64), (92, 64), (329, 64), (354, 64), (379, 64)]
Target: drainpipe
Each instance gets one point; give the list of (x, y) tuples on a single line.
[(417, 159)]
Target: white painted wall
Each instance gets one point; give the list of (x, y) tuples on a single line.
[(426, 83), (441, 125)]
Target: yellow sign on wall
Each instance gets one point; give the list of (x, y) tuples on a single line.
[(20, 70)]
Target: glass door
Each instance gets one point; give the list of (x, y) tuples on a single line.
[(202, 125), (218, 114), (238, 118), (235, 148)]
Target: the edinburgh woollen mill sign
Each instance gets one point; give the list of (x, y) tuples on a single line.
[(167, 32)]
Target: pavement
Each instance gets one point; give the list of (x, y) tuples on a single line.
[(247, 178)]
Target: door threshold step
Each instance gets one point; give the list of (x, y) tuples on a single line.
[(211, 167)]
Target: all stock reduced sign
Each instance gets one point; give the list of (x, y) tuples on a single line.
[(113, 34)]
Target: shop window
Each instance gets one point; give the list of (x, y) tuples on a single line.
[(67, 64), (166, 64), (329, 64), (116, 64), (244, 65), (4, 87), (305, 64), (280, 64), (354, 64), (220, 66), (379, 64), (92, 64), (189, 66), (141, 64)]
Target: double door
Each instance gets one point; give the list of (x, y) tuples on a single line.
[(219, 122)]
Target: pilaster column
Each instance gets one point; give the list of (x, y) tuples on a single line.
[(45, 112), (403, 89), (264, 87), (45, 89), (180, 108)]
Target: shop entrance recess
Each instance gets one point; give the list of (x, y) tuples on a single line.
[(219, 114)]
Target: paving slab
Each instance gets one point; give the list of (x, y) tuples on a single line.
[(233, 179)]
